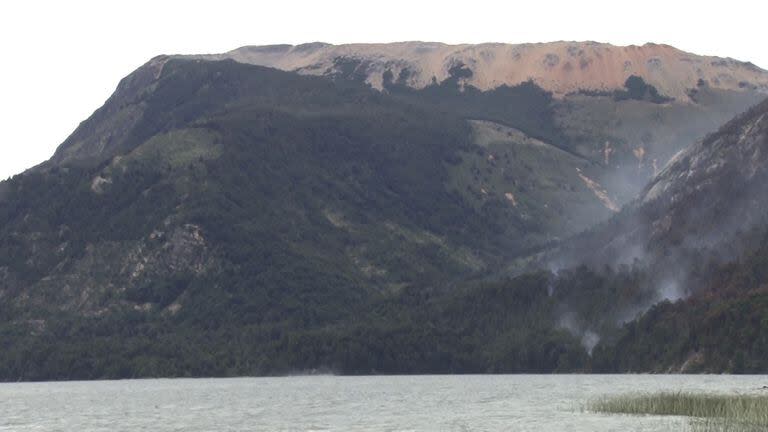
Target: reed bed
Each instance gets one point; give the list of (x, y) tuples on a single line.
[(707, 412)]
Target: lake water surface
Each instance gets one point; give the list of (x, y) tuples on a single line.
[(540, 403)]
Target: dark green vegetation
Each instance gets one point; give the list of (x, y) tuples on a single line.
[(724, 327), (492, 327), (215, 218), (526, 107), (635, 88), (707, 412), (638, 89)]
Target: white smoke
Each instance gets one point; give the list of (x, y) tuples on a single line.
[(589, 339), (670, 290)]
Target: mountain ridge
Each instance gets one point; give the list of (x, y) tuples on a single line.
[(561, 67)]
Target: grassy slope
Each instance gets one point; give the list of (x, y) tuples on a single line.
[(529, 181)]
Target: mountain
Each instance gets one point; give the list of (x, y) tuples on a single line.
[(217, 217), (212, 200), (625, 112), (697, 234), (211, 166), (627, 108)]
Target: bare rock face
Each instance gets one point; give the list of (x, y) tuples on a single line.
[(87, 285), (718, 183), (707, 199), (560, 67)]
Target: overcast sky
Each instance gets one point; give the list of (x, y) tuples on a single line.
[(62, 59)]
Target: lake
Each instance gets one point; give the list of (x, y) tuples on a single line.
[(540, 403)]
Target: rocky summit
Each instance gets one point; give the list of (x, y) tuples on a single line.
[(560, 67)]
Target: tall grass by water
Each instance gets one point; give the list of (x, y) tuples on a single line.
[(707, 412)]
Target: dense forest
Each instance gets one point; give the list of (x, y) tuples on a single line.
[(536, 323)]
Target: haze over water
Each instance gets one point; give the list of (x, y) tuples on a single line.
[(538, 403)]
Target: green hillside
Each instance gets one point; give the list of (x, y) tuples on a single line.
[(216, 218)]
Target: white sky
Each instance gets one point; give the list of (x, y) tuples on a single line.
[(62, 59)]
